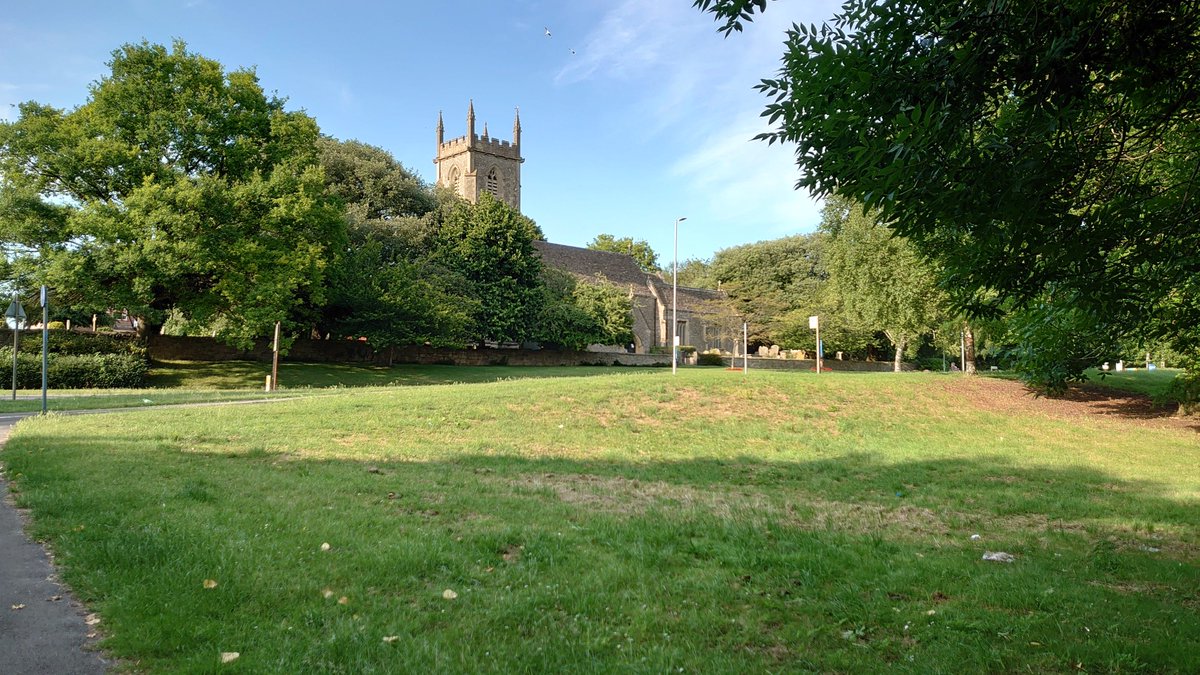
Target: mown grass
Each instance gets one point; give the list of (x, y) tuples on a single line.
[(640, 522), (178, 382), (241, 374), (1152, 383)]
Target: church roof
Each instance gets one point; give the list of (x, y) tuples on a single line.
[(691, 299), (617, 268), (622, 270)]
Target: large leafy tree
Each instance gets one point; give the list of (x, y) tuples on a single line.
[(638, 249), (1045, 152), (384, 284), (575, 314), (176, 188), (490, 246), (773, 284), (881, 279)]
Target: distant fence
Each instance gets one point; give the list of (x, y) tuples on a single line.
[(174, 348)]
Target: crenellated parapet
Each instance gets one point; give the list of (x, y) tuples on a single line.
[(491, 146), (473, 164)]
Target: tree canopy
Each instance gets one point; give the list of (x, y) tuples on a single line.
[(638, 249), (177, 187), (882, 282), (1046, 153)]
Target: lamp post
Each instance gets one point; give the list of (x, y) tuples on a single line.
[(675, 300)]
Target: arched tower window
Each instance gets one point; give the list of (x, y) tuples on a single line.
[(454, 179), (493, 182)]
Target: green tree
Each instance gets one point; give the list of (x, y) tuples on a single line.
[(575, 314), (371, 183), (638, 249), (491, 246), (378, 294), (176, 186), (882, 280), (1040, 150), (695, 273), (768, 281)]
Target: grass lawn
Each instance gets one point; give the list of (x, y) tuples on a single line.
[(630, 522), (175, 382), (1152, 383), (252, 374)]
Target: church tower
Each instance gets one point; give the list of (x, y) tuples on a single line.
[(471, 165)]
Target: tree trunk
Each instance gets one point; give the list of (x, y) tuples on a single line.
[(900, 345), (968, 349)]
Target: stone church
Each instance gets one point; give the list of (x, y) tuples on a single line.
[(473, 164)]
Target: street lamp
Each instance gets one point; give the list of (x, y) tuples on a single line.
[(675, 300)]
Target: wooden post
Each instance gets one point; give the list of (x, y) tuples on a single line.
[(275, 360)]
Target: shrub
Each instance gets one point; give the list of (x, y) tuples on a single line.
[(56, 325), (686, 350), (82, 371), (1185, 389), (707, 359), (69, 342)]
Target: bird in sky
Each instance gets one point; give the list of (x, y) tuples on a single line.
[(548, 33)]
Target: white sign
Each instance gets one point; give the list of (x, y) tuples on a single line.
[(15, 316), (812, 322)]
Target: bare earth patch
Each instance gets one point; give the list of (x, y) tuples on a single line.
[(1080, 402)]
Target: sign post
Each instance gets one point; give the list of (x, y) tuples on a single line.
[(745, 348), (815, 324), (15, 318), (275, 360), (45, 344)]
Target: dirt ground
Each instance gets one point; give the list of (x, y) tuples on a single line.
[(1080, 402)]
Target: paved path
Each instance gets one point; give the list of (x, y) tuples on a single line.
[(45, 635)]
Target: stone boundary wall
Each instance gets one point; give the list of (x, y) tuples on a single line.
[(174, 348), (768, 363)]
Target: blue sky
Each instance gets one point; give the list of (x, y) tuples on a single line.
[(650, 119)]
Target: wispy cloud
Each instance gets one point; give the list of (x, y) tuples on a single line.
[(747, 183), (697, 91), (628, 43)]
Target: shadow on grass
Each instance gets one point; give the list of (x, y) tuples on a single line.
[(850, 563)]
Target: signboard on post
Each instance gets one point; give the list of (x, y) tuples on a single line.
[(815, 324), (15, 318)]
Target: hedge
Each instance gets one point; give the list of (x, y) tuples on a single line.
[(70, 342), (75, 371)]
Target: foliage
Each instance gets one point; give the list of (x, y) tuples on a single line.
[(882, 281), (575, 314), (638, 249), (176, 186), (78, 371), (371, 183), (70, 342), (1032, 147), (490, 246), (768, 280), (696, 273), (709, 359), (1053, 342), (1185, 390)]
